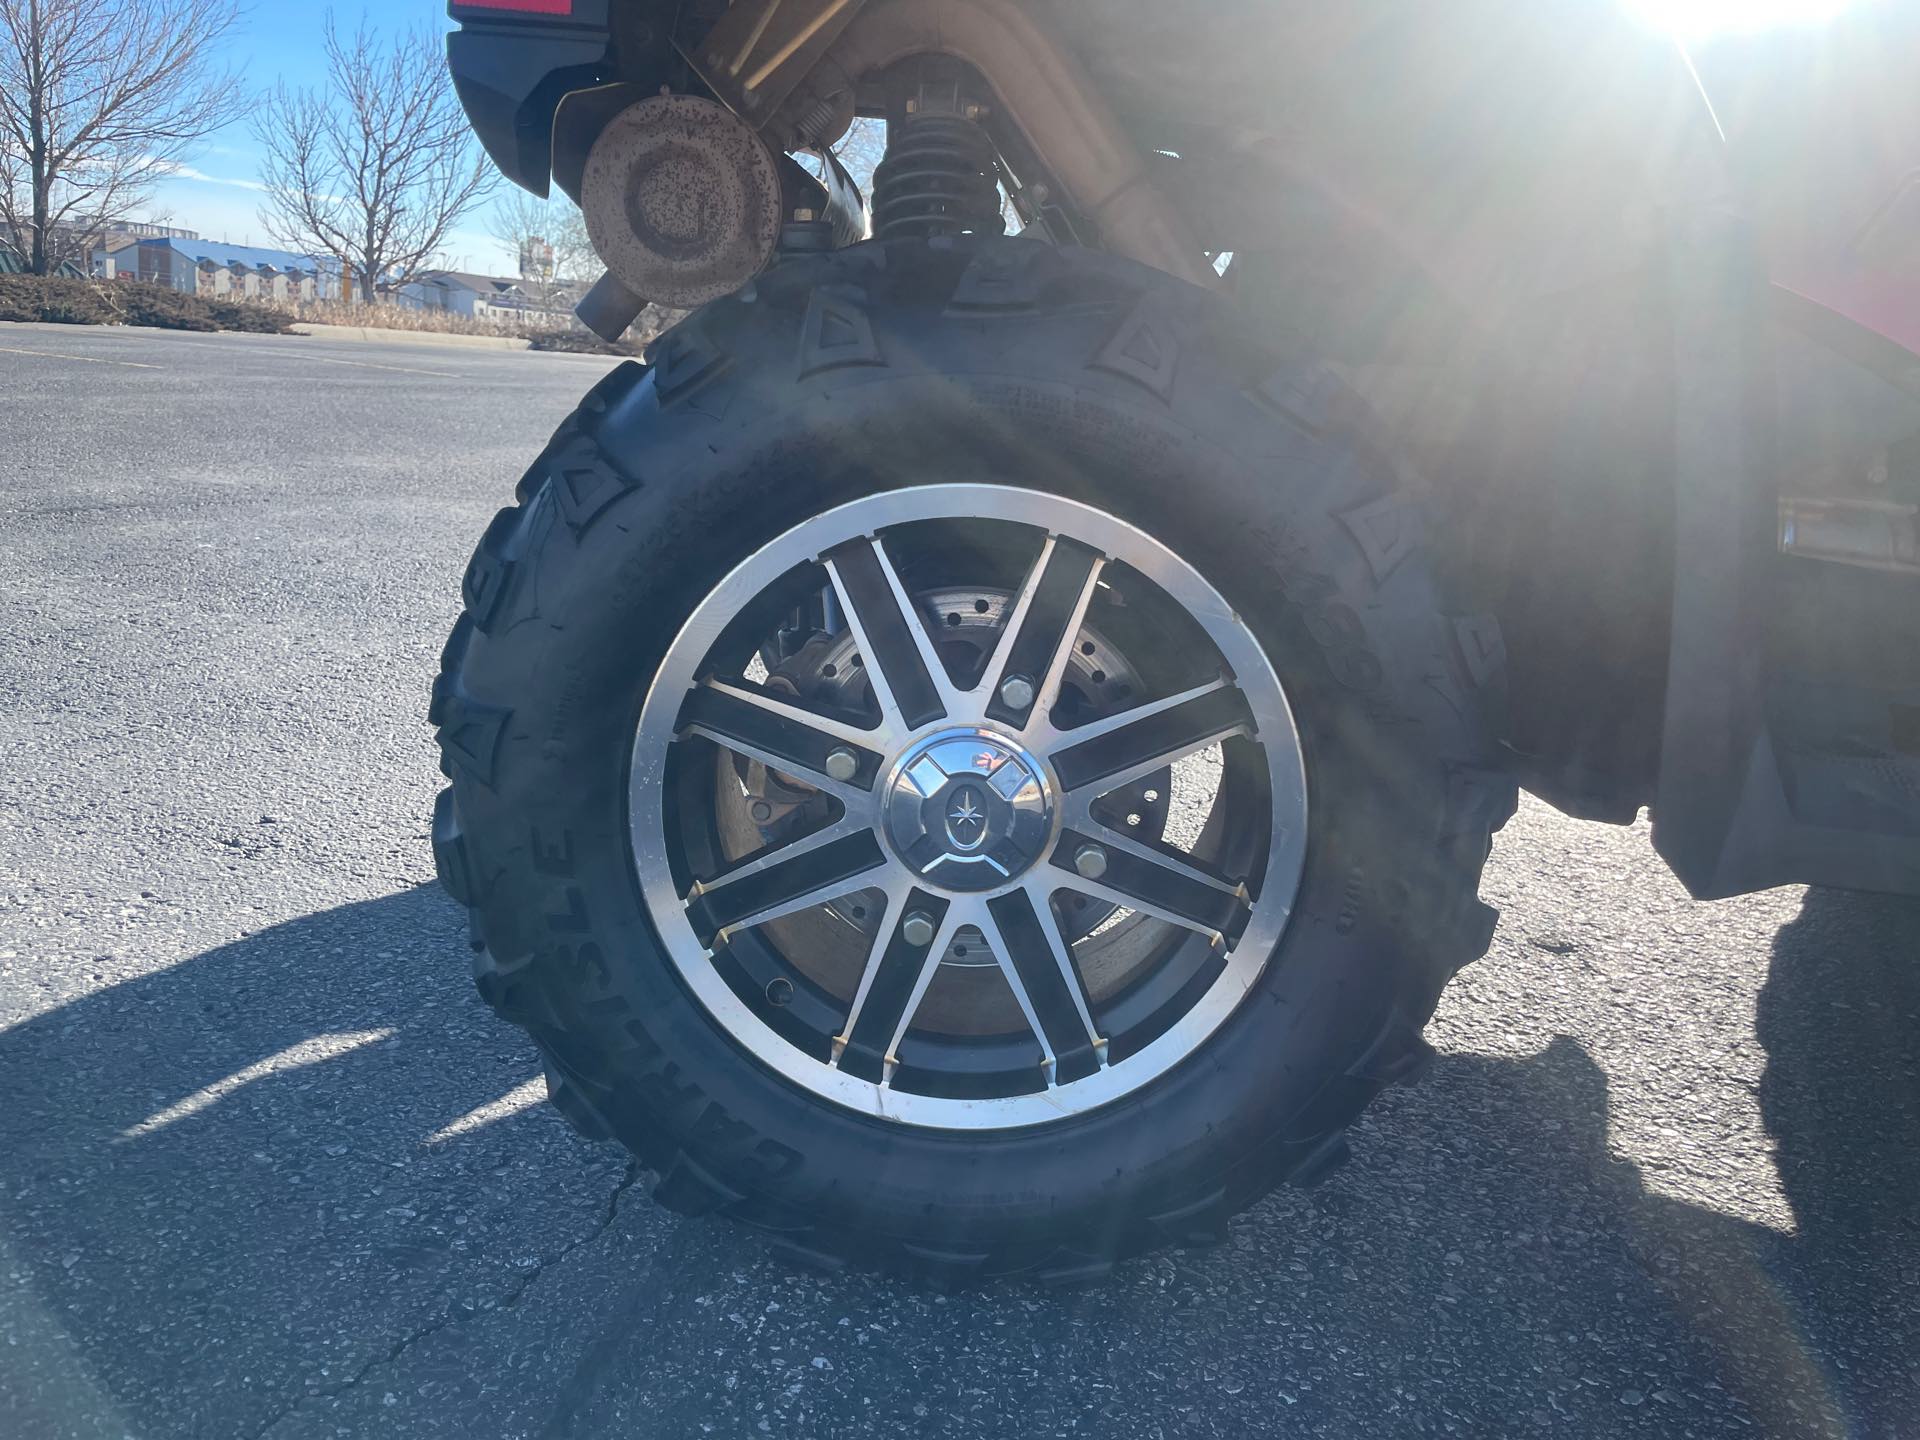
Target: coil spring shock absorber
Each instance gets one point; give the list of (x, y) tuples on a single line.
[(938, 178)]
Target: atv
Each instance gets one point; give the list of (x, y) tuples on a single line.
[(976, 759)]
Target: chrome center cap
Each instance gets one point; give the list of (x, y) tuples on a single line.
[(968, 810)]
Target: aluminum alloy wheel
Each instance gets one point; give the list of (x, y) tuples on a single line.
[(965, 808)]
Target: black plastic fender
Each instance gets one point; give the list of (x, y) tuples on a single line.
[(512, 60)]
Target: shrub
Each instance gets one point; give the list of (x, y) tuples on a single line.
[(60, 301), (53, 301)]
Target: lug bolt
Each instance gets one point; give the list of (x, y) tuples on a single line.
[(762, 812), (1017, 692), (1090, 861), (843, 764), (917, 929)]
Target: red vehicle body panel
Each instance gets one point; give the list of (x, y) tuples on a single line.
[(1823, 135)]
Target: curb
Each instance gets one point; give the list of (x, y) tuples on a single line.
[(411, 337)]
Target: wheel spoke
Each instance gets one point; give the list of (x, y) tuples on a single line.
[(782, 735), (1154, 886), (930, 660), (780, 852), (792, 711), (1132, 715), (887, 924), (1024, 936), (893, 643), (895, 982), (1126, 747), (795, 881), (1037, 640), (1112, 838), (1015, 622)]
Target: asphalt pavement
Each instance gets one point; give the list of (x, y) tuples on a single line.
[(268, 1168)]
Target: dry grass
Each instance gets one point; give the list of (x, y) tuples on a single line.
[(568, 336), (396, 317)]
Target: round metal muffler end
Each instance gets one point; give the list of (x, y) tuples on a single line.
[(682, 200)]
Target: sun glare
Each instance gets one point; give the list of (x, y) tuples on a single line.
[(1703, 19)]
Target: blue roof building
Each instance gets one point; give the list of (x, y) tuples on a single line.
[(209, 267)]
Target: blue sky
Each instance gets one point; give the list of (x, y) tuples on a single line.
[(216, 194)]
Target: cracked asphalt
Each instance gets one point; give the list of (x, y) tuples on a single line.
[(269, 1169)]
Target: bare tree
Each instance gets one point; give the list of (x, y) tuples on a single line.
[(99, 100), (376, 166), (861, 149), (522, 221)]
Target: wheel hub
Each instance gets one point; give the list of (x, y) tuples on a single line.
[(968, 810)]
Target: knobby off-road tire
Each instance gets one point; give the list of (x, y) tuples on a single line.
[(838, 377)]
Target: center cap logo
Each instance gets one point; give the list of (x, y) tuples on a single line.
[(967, 817), (967, 809)]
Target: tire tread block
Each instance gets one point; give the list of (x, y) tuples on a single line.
[(1145, 349), (1387, 530), (1481, 646), (450, 859), (684, 360), (489, 571), (511, 988), (1200, 1225), (574, 1106), (470, 731), (613, 387), (837, 334), (688, 1188), (1400, 1055), (1002, 280)]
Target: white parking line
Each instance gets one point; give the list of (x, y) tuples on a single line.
[(370, 365), (83, 359)]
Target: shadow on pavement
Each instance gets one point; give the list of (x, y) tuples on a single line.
[(1840, 1021), (1813, 1332), (206, 1263), (223, 1205)]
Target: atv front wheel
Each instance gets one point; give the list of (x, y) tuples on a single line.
[(961, 765)]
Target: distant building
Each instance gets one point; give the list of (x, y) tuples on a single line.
[(536, 259), (92, 241), (109, 257), (145, 230), (205, 267), (490, 298)]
